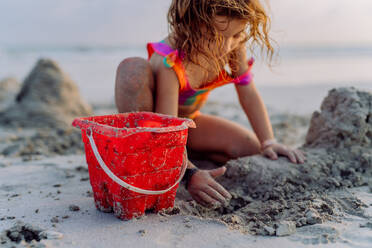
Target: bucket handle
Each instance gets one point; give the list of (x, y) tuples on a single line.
[(120, 181)]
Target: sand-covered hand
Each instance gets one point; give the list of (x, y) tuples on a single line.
[(294, 155), (205, 190)]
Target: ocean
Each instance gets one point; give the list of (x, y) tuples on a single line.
[(297, 81)]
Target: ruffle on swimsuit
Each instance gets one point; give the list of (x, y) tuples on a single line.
[(187, 95)]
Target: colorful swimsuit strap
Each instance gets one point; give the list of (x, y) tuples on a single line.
[(247, 76), (171, 60)]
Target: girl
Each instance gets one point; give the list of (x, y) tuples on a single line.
[(206, 36)]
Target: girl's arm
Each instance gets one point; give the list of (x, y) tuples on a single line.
[(256, 112), (201, 186), (166, 95), (250, 99), (255, 109)]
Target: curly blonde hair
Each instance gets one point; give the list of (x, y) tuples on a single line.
[(186, 17)]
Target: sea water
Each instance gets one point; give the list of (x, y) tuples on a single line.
[(296, 82)]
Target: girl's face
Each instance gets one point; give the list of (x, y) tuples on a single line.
[(233, 32)]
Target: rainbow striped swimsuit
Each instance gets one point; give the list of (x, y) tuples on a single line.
[(187, 95)]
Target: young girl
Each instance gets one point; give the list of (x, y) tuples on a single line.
[(206, 36)]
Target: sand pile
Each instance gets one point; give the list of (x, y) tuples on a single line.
[(48, 97), (275, 197), (345, 120), (9, 88), (47, 103)]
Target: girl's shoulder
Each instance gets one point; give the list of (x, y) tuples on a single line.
[(164, 50)]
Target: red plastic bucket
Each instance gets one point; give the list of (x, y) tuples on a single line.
[(135, 160)]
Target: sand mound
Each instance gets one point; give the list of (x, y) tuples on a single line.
[(48, 97), (45, 106), (345, 120), (275, 197), (9, 87)]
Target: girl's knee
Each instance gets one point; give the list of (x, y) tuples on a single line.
[(133, 74), (132, 63), (134, 69), (134, 85)]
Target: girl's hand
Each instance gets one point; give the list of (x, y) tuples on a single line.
[(295, 155), (205, 190)]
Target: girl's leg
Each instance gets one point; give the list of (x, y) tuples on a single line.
[(220, 139), (134, 86)]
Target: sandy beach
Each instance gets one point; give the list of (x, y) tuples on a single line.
[(47, 200)]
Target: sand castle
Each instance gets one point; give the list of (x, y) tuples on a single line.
[(48, 97), (46, 102)]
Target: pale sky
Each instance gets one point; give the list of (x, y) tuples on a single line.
[(121, 22)]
